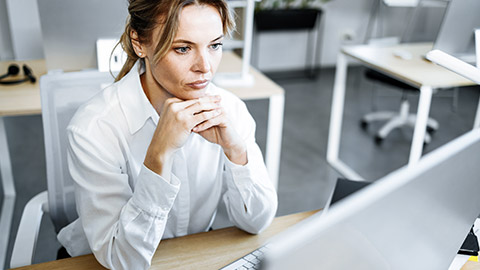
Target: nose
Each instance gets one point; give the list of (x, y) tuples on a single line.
[(202, 62)]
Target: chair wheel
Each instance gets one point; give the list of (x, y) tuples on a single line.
[(378, 139), (363, 124), (431, 130)]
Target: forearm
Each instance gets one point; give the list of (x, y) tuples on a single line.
[(236, 154), (159, 159), (251, 199), (124, 232), (131, 243)]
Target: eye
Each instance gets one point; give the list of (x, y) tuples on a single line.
[(216, 46), (182, 50)]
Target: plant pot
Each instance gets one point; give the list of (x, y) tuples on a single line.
[(286, 19)]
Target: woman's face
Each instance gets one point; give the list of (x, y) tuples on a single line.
[(189, 65)]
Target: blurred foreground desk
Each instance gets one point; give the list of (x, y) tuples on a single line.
[(414, 71), (208, 250), (24, 99)]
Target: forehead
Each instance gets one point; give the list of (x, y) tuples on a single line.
[(199, 22)]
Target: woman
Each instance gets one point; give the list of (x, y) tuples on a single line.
[(154, 154)]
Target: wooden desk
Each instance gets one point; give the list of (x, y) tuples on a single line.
[(209, 250), (416, 71), (24, 99)]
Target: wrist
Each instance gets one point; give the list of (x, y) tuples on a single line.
[(237, 154), (159, 161)]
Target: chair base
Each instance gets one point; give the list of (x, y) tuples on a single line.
[(397, 120)]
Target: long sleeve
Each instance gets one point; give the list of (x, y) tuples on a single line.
[(250, 198), (123, 226), (125, 209)]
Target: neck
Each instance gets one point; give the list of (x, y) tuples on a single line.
[(155, 93)]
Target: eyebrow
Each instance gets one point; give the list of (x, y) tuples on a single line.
[(189, 42)]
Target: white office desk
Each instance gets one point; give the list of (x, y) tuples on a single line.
[(416, 71)]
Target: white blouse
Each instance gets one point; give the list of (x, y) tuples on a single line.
[(125, 209)]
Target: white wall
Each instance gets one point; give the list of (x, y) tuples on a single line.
[(276, 51)]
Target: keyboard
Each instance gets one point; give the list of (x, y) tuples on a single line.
[(250, 261)]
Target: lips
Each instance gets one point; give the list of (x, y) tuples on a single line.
[(200, 84)]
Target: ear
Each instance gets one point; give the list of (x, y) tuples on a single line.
[(137, 46)]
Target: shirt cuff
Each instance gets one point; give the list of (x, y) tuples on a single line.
[(153, 193)]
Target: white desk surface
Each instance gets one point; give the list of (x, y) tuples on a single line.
[(416, 71)]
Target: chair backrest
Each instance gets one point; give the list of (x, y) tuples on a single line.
[(61, 95)]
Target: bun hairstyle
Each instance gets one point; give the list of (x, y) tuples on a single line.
[(146, 15)]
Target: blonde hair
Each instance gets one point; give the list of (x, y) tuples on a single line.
[(146, 15)]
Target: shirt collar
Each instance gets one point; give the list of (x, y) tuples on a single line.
[(133, 101)]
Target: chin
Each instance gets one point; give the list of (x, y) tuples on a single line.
[(192, 94)]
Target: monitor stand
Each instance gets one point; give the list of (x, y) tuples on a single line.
[(470, 245)]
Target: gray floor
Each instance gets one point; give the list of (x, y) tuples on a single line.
[(305, 177)]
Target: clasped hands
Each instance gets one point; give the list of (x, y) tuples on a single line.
[(204, 116)]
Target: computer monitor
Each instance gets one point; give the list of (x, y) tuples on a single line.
[(456, 35), (414, 218), (70, 29)]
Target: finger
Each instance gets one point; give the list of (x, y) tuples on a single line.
[(200, 104), (206, 115), (204, 104), (177, 104), (212, 122), (214, 99)]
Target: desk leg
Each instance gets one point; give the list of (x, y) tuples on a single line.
[(274, 136), (420, 125), (336, 116), (476, 122), (9, 193)]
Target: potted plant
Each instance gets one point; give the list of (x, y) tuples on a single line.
[(271, 15)]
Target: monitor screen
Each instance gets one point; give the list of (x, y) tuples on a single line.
[(70, 29), (456, 35), (414, 218)]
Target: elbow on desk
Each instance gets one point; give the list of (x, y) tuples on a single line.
[(258, 223), (256, 229)]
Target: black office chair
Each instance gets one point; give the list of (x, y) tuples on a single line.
[(395, 119)]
